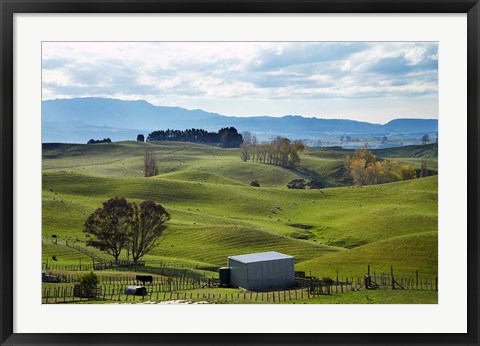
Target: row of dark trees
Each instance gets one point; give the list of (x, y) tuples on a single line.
[(119, 225), (302, 184), (105, 140), (227, 137), (280, 152)]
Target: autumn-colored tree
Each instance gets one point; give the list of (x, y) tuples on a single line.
[(365, 154), (406, 172), (364, 169), (149, 222), (107, 227)]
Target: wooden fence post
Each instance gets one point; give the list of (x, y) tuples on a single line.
[(368, 278), (393, 280)]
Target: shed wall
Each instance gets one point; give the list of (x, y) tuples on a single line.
[(238, 273), (273, 274), (263, 275)]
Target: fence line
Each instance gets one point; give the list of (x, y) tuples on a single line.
[(180, 282), (165, 290), (383, 280), (183, 276), (126, 263), (52, 295)]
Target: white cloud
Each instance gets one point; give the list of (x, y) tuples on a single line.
[(257, 73), (415, 55)]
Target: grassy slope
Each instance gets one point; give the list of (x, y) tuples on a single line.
[(418, 251), (215, 213), (63, 254), (412, 155)]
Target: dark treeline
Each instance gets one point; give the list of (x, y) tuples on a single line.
[(280, 152), (227, 137), (105, 140), (190, 135)]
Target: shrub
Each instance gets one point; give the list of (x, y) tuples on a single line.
[(327, 280), (315, 184), (89, 280), (296, 184)]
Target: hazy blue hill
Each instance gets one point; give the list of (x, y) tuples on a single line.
[(118, 113), (77, 120), (411, 126), (298, 123)]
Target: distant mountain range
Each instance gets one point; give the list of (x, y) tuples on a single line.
[(80, 119)]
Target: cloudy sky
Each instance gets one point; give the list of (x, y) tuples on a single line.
[(369, 81)]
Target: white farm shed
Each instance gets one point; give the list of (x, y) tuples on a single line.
[(262, 271)]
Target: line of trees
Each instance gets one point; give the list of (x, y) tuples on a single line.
[(94, 141), (120, 225), (189, 135), (280, 152), (227, 137), (364, 169)]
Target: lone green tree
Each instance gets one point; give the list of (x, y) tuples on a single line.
[(107, 228), (149, 222), (119, 225)]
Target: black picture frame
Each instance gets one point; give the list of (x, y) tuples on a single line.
[(10, 7)]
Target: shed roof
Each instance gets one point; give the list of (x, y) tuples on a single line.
[(260, 257)]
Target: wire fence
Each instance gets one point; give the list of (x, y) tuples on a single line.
[(173, 283), (168, 268), (116, 293)]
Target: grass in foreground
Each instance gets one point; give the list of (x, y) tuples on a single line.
[(383, 296), (235, 296)]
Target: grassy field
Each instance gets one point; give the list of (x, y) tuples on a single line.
[(216, 213), (376, 297)]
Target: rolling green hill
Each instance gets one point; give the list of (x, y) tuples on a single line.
[(216, 213)]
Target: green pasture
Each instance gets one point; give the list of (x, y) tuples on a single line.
[(215, 213)]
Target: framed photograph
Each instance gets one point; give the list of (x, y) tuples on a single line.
[(273, 172)]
